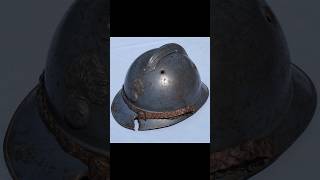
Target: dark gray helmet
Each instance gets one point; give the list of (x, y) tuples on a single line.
[(262, 102), (162, 88), (60, 130)]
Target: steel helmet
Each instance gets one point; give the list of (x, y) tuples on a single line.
[(162, 88), (262, 102), (66, 113)]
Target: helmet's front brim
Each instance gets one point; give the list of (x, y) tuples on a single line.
[(31, 151), (125, 116), (298, 117)]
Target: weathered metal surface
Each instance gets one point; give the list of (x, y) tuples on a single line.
[(32, 152), (257, 152), (76, 72), (251, 70), (258, 93), (72, 103), (290, 128), (162, 52), (97, 164), (161, 88), (144, 115)]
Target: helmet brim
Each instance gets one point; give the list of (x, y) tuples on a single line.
[(299, 115), (31, 151), (126, 117)]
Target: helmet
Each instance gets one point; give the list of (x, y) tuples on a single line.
[(162, 88), (69, 103), (262, 102)]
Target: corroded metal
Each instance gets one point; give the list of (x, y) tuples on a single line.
[(76, 72), (238, 157), (71, 102), (162, 87), (30, 149), (262, 102), (144, 115), (88, 74), (98, 165)]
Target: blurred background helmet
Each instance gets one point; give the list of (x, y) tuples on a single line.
[(262, 102), (66, 113)]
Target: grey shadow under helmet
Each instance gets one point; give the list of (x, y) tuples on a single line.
[(162, 88)]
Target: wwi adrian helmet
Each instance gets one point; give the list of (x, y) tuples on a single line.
[(162, 88), (66, 113), (262, 102)]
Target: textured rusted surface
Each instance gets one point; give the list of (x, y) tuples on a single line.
[(249, 156), (144, 115), (252, 80), (75, 74), (257, 91), (89, 75), (165, 115), (98, 166), (30, 149)]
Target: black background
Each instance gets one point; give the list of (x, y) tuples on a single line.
[(160, 19), (26, 30)]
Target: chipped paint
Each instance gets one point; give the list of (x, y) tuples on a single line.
[(138, 88)]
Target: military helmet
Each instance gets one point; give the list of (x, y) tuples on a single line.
[(162, 87), (66, 113), (262, 102)]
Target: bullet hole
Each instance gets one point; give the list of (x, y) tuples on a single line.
[(268, 18), (268, 15)]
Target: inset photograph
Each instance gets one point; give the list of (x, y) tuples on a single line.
[(159, 90)]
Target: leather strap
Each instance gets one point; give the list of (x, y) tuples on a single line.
[(243, 159), (98, 166), (144, 115)]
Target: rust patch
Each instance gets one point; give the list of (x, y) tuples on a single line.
[(97, 164), (144, 115), (179, 96), (165, 115), (250, 152)]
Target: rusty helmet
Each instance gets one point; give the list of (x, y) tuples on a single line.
[(262, 102), (66, 113), (162, 87)]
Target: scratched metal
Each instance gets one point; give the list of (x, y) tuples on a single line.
[(98, 163), (257, 92), (144, 115), (30, 150), (174, 83), (76, 83), (76, 72), (256, 152)]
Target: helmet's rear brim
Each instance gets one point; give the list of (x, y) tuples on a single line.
[(31, 151), (299, 115), (125, 116)]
